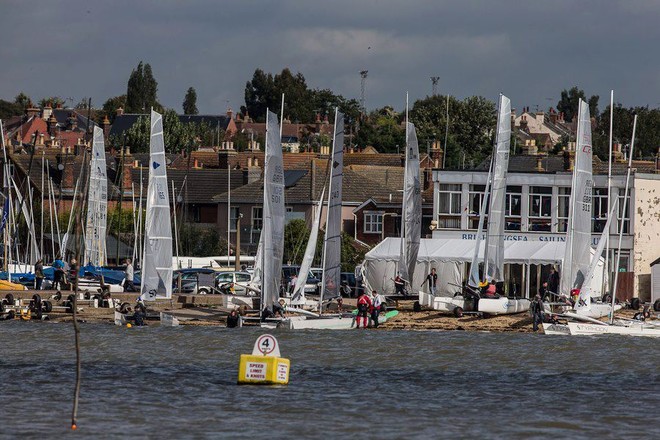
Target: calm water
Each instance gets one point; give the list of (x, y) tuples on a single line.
[(180, 383)]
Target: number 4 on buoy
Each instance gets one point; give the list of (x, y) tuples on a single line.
[(264, 366)]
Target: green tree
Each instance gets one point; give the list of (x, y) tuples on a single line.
[(382, 129), (110, 108), (197, 241), (142, 89), (23, 101), (9, 109), (176, 135), (568, 103), (296, 235), (190, 102), (52, 101)]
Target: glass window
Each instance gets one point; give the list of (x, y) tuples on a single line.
[(226, 277), (599, 209), (540, 202), (232, 219), (257, 218), (513, 203), (243, 277), (564, 203), (373, 222), (450, 199), (620, 216)]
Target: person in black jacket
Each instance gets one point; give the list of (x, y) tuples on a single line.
[(536, 308), (552, 283)]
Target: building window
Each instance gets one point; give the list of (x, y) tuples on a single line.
[(599, 209), (475, 198), (195, 214), (373, 222), (620, 216), (232, 218), (257, 218), (540, 208), (562, 214), (450, 199), (289, 208), (513, 208)]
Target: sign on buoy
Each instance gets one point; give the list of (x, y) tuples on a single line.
[(264, 366)]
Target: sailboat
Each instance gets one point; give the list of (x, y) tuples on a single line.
[(493, 269), (411, 208), (97, 205), (577, 256), (156, 277)]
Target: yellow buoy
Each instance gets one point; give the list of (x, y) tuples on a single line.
[(264, 366), (128, 325)]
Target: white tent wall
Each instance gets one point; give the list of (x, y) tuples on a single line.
[(450, 257)]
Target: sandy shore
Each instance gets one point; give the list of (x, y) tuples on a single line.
[(203, 310)]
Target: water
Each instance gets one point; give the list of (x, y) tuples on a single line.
[(181, 383)]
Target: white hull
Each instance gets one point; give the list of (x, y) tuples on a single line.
[(634, 329), (120, 318), (445, 304), (503, 306), (597, 310), (331, 323), (556, 329), (231, 301)]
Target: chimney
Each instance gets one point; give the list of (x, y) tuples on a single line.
[(569, 157), (540, 117), (51, 123), (127, 150), (617, 154), (127, 177), (32, 111), (106, 126), (120, 111), (530, 148), (48, 110), (436, 153), (318, 123), (539, 163), (229, 113), (553, 116)]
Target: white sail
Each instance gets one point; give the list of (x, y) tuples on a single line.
[(273, 229), (97, 204), (494, 253), (299, 289), (412, 207), (475, 279), (156, 277), (578, 241), (25, 210), (258, 262), (332, 242), (584, 301)]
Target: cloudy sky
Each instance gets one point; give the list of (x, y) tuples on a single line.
[(528, 50)]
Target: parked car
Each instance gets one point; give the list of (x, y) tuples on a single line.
[(195, 280), (313, 282), (240, 280)]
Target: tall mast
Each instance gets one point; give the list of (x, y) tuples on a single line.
[(403, 199), (606, 272), (623, 219)]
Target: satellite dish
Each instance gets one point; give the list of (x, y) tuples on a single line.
[(60, 166), (179, 199)]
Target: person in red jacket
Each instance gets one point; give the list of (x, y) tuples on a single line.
[(364, 305)]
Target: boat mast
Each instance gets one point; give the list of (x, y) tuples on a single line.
[(623, 219), (403, 248), (606, 272)]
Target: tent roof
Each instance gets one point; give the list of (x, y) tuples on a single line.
[(455, 250)]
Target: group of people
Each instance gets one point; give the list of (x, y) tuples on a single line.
[(369, 308), (63, 273), (431, 279)]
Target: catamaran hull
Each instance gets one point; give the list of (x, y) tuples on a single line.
[(503, 306), (597, 310), (579, 328), (556, 329), (444, 304), (304, 322)]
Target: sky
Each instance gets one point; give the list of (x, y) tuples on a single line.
[(529, 51)]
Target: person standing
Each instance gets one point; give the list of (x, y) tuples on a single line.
[(376, 303), (536, 307), (363, 305), (129, 275), (552, 283), (58, 276), (399, 285), (38, 274), (432, 280), (292, 284)]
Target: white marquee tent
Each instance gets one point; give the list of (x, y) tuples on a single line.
[(449, 257)]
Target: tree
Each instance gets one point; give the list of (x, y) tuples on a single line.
[(110, 108), (52, 101), (568, 103), (9, 109), (142, 89), (176, 135), (383, 130), (190, 102), (296, 235), (23, 101)]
